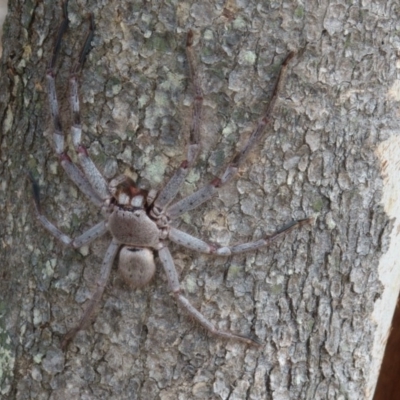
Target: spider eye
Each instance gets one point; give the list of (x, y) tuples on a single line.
[(137, 201)]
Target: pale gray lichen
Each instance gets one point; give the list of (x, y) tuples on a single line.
[(7, 361)]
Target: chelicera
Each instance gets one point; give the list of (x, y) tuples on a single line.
[(141, 222)]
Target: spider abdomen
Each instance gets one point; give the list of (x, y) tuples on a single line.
[(136, 266), (133, 227)]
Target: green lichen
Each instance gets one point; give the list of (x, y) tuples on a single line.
[(317, 205), (100, 158), (190, 284), (75, 222), (159, 43), (240, 23), (155, 170), (299, 12), (219, 158), (32, 165), (249, 57), (275, 289), (234, 271), (113, 87)]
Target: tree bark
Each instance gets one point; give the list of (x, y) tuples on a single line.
[(320, 300)]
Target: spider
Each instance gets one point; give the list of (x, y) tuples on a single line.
[(140, 221)]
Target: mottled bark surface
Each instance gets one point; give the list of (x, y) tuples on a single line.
[(309, 298)]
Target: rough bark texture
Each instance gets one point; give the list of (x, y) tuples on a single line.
[(309, 298)]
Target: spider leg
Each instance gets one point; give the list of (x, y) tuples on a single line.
[(171, 189), (95, 300), (172, 275), (205, 193), (85, 238), (90, 170), (193, 243), (80, 180), (58, 136)]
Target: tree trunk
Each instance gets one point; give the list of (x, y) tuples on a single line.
[(320, 300)]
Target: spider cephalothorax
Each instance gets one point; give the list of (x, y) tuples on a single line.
[(140, 221), (128, 222)]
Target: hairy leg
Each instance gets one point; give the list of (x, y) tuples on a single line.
[(93, 303), (172, 275), (90, 170), (87, 237), (193, 243), (170, 190), (205, 193), (58, 136)]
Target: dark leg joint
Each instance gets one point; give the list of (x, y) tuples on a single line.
[(57, 125), (185, 164), (213, 248), (35, 191), (68, 337), (236, 160), (61, 30), (293, 224), (65, 157), (82, 150), (216, 182), (76, 119), (288, 58), (177, 292), (86, 47), (189, 38)]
